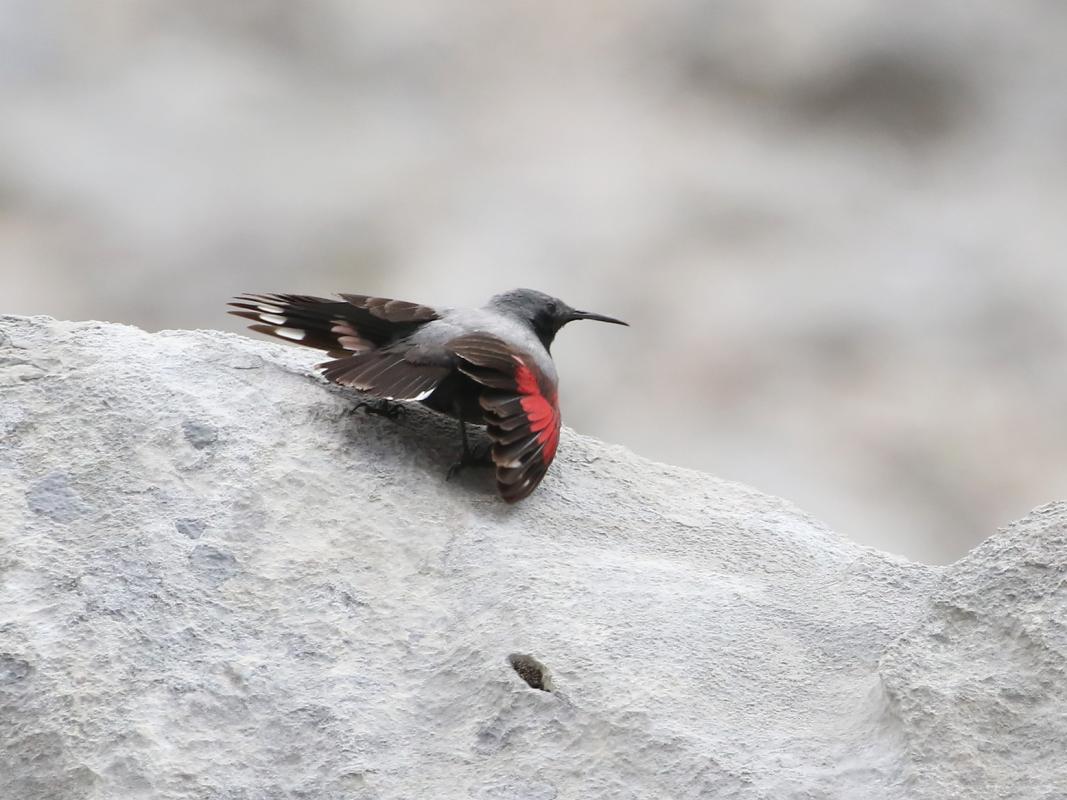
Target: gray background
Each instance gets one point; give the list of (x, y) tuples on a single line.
[(837, 227)]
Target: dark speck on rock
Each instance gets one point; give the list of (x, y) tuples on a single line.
[(193, 528), (215, 564), (13, 670), (198, 434), (53, 497)]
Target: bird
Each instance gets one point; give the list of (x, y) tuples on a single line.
[(490, 366)]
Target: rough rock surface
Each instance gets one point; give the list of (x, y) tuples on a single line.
[(217, 582)]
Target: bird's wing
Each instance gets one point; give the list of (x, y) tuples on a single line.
[(401, 372), (357, 324), (521, 410), (394, 311)]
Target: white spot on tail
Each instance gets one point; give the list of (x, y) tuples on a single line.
[(273, 319), (290, 333), (419, 396), (271, 309), (354, 343)]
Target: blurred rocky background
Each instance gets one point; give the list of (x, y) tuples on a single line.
[(838, 228)]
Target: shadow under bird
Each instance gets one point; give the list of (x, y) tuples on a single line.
[(488, 366)]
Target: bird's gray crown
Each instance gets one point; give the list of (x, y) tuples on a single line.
[(527, 304), (544, 314)]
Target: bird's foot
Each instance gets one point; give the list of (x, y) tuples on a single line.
[(478, 456), (380, 408)]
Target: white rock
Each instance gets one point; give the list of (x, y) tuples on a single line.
[(216, 582)]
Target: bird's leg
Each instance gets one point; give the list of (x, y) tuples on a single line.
[(464, 440), (470, 456), (380, 407)]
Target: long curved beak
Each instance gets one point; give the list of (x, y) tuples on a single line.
[(597, 317)]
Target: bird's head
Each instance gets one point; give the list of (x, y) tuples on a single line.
[(545, 314)]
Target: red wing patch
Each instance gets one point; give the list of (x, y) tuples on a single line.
[(542, 412), (521, 412)]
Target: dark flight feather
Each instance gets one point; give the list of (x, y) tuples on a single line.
[(356, 324)]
